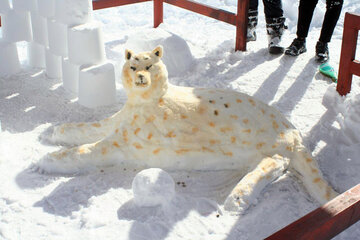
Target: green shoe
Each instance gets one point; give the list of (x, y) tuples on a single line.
[(328, 71)]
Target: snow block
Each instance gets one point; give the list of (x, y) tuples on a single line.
[(16, 26), (46, 8), (97, 85), (86, 44), (39, 29), (36, 55), (53, 65), (4, 6), (70, 75), (177, 55), (152, 187), (25, 5), (9, 58), (57, 38), (73, 12)]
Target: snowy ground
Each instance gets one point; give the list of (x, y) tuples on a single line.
[(99, 204)]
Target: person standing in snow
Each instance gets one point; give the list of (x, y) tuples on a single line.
[(275, 23), (306, 11)]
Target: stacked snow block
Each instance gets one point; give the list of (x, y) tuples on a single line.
[(84, 67), (16, 27), (63, 39)]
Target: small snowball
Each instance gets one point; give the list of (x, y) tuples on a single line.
[(152, 187)]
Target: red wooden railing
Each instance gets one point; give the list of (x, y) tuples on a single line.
[(325, 222), (348, 65), (239, 19)]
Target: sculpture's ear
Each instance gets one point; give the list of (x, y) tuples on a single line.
[(157, 52), (128, 54)]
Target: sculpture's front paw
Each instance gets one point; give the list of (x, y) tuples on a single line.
[(235, 203)]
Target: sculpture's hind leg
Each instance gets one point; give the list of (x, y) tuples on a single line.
[(252, 183)]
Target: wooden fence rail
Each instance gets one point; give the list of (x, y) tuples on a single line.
[(325, 222), (348, 65)]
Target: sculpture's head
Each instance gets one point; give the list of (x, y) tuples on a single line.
[(144, 75)]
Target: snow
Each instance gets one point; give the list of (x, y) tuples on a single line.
[(36, 55), (57, 34), (10, 64), (70, 75), (16, 26), (152, 187), (86, 44), (39, 29), (53, 64), (100, 203), (73, 12), (97, 85)]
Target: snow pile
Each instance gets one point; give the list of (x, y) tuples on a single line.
[(152, 187), (177, 58)]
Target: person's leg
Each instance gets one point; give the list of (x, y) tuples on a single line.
[(332, 14), (306, 11), (273, 9), (275, 24), (252, 20)]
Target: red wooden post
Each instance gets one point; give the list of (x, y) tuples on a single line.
[(348, 66), (158, 12), (325, 222), (241, 24)]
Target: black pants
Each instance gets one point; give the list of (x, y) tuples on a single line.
[(306, 11), (272, 8)]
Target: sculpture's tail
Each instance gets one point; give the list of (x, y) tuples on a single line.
[(310, 173)]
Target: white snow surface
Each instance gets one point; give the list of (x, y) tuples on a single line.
[(100, 204)]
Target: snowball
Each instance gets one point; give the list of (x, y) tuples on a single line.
[(177, 56), (4, 6), (24, 5), (16, 26), (97, 85), (9, 64), (70, 74), (46, 8), (86, 44), (53, 65), (57, 38), (36, 55), (153, 187), (73, 12), (39, 29)]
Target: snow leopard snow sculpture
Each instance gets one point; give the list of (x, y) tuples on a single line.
[(172, 127)]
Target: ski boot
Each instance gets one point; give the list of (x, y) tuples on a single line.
[(252, 23), (275, 28)]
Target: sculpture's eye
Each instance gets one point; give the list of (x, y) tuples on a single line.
[(133, 68), (148, 67)]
